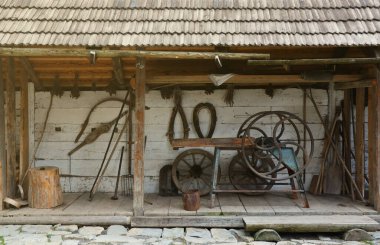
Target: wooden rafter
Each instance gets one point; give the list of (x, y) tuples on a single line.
[(355, 84), (31, 73)]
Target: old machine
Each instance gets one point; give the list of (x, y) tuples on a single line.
[(273, 148)]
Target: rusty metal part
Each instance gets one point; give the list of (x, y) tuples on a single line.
[(191, 200), (213, 119), (243, 179), (115, 197), (271, 147), (85, 123), (94, 135), (166, 184), (192, 169)]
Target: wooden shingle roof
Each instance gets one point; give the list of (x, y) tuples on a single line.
[(190, 22)]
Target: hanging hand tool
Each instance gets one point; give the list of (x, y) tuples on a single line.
[(97, 180), (118, 175), (129, 177), (85, 123), (94, 135)]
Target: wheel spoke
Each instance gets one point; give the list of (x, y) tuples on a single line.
[(207, 166), (203, 159), (187, 163), (204, 181), (194, 162)]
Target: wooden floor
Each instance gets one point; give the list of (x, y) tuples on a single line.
[(77, 204)]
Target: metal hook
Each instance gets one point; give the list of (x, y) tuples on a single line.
[(93, 57), (218, 62)]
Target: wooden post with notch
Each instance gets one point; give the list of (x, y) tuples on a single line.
[(359, 140), (11, 129), (138, 183), (374, 166), (2, 139), (24, 129)]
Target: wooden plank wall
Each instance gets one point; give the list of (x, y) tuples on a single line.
[(67, 115)]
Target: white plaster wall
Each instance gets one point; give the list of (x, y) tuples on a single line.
[(68, 114)]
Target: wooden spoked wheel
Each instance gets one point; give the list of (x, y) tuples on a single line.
[(242, 178), (192, 170)]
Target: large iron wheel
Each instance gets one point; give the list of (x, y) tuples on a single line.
[(242, 178), (285, 134), (192, 169)]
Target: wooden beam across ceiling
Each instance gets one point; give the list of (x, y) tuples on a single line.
[(332, 61), (30, 52), (248, 79)]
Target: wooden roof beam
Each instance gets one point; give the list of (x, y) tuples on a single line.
[(32, 52), (366, 83), (248, 79), (332, 61), (31, 74)]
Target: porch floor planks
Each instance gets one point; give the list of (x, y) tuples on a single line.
[(205, 209), (270, 204), (160, 205), (231, 205), (69, 198), (283, 204), (256, 205)]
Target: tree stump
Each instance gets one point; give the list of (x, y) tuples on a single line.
[(44, 188)]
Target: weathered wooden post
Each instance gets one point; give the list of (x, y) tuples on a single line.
[(2, 139), (11, 129), (138, 185)]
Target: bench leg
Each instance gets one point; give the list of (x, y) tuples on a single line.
[(215, 167)]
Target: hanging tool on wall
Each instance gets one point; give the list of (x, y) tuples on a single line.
[(75, 91), (178, 109), (115, 197), (85, 123), (129, 177), (97, 180), (94, 135)]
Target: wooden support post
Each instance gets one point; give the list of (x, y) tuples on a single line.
[(31, 99), (372, 138), (3, 176), (374, 166), (138, 186), (11, 129), (24, 129), (359, 139), (347, 135)]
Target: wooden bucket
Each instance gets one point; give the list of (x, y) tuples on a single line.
[(44, 187), (191, 200)]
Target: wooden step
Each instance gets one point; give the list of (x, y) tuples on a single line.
[(310, 223), (188, 221)]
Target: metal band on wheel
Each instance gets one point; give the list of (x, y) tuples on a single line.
[(265, 146)]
